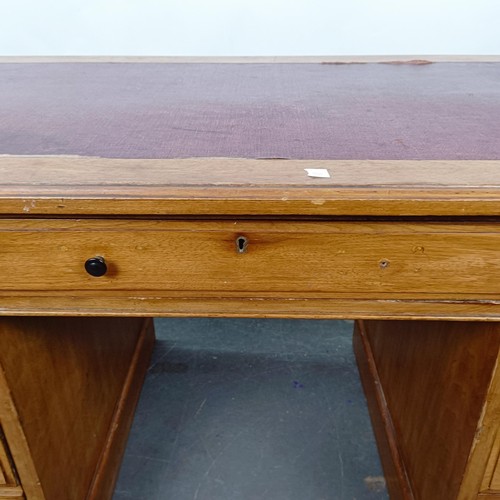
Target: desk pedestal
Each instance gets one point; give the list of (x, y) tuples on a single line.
[(68, 390), (433, 390), (69, 386)]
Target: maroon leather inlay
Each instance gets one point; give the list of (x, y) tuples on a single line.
[(300, 111)]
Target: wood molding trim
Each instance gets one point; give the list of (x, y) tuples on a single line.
[(398, 484), (109, 463), (87, 186), (19, 447)]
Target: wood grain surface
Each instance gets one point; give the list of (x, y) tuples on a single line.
[(106, 475), (62, 384), (439, 382), (395, 474), (9, 484), (343, 259), (405, 226), (7, 474), (483, 469), (66, 186), (135, 304)]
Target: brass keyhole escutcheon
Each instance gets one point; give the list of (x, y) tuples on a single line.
[(241, 244)]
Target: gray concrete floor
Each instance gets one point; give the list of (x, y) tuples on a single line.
[(244, 409)]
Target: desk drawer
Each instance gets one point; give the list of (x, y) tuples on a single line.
[(301, 258)]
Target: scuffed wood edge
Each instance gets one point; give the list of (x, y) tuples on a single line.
[(11, 492), (398, 484), (238, 186), (46, 172), (354, 203), (485, 449), (247, 308), (330, 59), (109, 463)]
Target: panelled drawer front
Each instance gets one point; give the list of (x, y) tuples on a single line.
[(9, 486), (307, 257)]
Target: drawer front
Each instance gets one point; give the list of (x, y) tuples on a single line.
[(9, 486), (308, 258)]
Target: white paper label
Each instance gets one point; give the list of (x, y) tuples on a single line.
[(318, 172)]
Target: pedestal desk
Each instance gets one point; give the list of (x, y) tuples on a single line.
[(317, 188)]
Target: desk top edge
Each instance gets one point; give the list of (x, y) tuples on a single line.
[(87, 186), (430, 131)]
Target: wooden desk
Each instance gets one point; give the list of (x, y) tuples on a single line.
[(131, 189)]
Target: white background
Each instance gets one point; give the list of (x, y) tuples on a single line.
[(246, 28)]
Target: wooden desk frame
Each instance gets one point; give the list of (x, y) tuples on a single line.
[(74, 350)]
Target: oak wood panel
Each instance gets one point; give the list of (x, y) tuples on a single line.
[(396, 477), (437, 429), (495, 477), (491, 476), (69, 185), (7, 476), (9, 485), (65, 394), (483, 468), (352, 259), (135, 304), (14, 434), (109, 464), (87, 174), (9, 493)]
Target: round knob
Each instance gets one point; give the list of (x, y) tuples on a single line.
[(96, 266)]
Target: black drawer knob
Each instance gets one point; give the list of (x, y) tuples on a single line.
[(96, 266)]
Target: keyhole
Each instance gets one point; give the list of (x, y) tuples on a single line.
[(241, 244), (384, 264)]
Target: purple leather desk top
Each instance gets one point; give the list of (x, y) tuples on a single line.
[(443, 111)]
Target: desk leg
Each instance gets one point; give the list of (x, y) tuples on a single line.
[(68, 390), (433, 390)]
